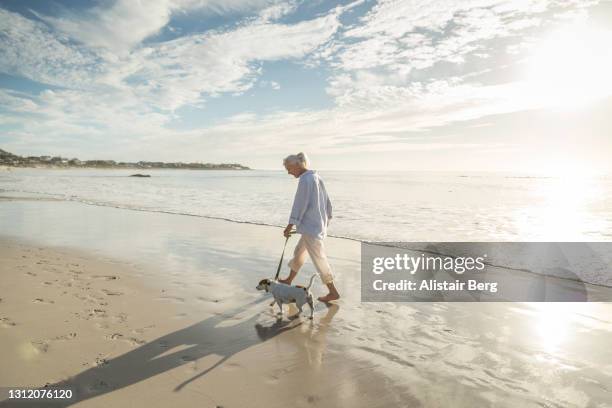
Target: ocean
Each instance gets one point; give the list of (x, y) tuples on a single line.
[(370, 206)]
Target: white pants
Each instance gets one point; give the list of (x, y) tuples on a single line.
[(316, 250)]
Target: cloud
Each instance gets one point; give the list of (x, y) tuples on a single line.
[(277, 11), (173, 73), (29, 49), (401, 70), (126, 23), (16, 102), (119, 27), (165, 75), (403, 36), (108, 96), (386, 59)]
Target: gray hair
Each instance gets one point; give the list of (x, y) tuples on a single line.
[(299, 158)]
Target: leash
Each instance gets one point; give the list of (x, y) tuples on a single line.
[(280, 263)]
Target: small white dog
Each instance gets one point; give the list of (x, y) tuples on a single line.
[(284, 293)]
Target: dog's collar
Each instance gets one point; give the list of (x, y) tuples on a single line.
[(270, 285)]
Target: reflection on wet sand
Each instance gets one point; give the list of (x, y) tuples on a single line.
[(310, 341)]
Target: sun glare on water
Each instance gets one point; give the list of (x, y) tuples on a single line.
[(571, 68)]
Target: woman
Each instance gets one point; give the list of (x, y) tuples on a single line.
[(310, 214)]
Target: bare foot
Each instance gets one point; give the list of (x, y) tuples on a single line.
[(290, 278), (329, 297)]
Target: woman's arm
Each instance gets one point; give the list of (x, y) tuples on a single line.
[(301, 200)]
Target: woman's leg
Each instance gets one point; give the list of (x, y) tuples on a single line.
[(299, 257), (316, 250)]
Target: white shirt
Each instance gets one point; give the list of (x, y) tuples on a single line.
[(312, 208)]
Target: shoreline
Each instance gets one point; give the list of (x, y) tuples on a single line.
[(125, 207)]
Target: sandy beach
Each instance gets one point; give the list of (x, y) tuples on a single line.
[(443, 168), (131, 308)]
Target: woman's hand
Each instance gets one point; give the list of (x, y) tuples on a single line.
[(287, 231)]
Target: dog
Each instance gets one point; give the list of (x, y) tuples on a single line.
[(284, 293)]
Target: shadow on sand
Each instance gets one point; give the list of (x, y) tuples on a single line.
[(196, 341)]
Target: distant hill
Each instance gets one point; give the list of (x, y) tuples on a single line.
[(13, 160)]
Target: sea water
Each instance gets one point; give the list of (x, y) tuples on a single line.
[(372, 206)]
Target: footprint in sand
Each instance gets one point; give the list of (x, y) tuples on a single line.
[(311, 399), (81, 297), (135, 342), (132, 340), (97, 313), (100, 361), (108, 292), (91, 297), (143, 329), (63, 337), (31, 273), (272, 379), (205, 299), (6, 323), (41, 345), (105, 277), (119, 318), (41, 300), (174, 298), (231, 366), (98, 385)]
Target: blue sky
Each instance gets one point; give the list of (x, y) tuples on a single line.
[(519, 85)]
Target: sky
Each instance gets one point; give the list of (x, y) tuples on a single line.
[(457, 85)]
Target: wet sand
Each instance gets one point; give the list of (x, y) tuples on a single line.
[(130, 308)]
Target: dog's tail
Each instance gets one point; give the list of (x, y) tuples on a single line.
[(310, 283)]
